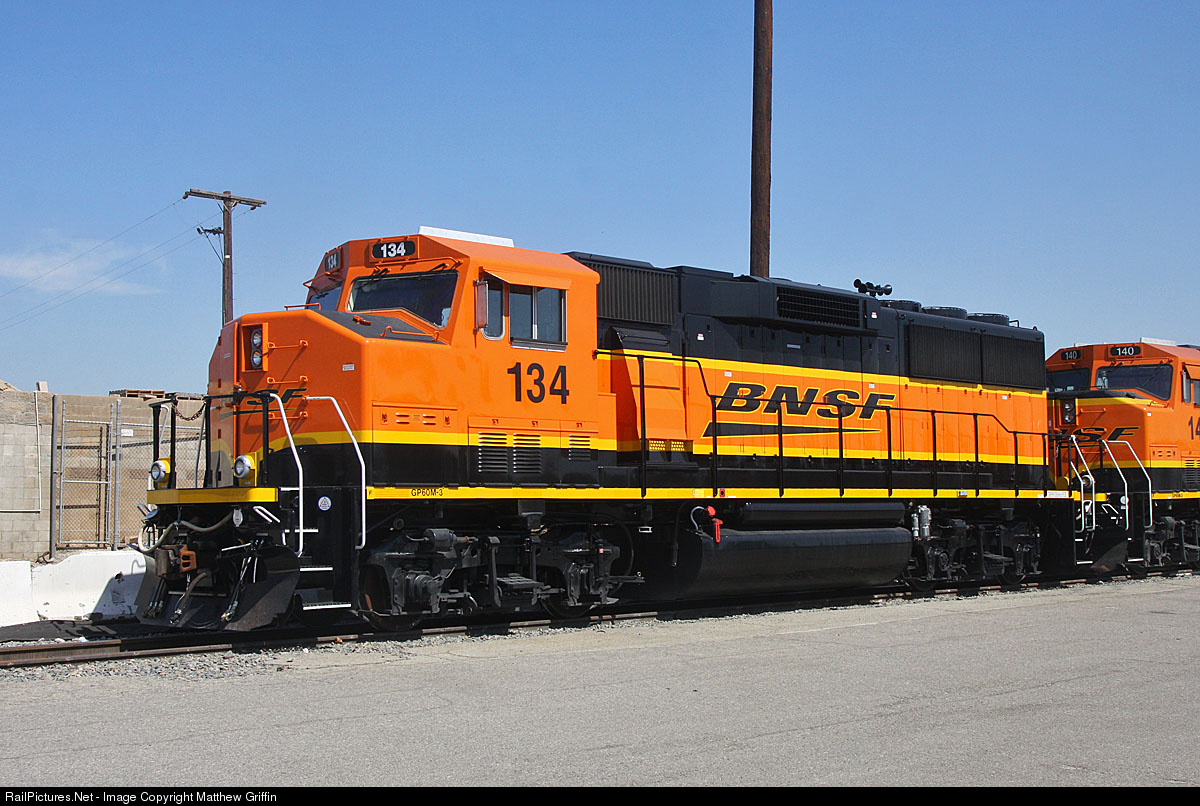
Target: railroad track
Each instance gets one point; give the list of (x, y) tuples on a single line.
[(295, 637)]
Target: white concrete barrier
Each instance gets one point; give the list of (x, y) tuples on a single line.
[(101, 583), (16, 593)]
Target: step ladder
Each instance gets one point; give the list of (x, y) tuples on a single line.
[(1086, 520), (1085, 514)]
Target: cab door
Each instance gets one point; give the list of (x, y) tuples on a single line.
[(535, 421)]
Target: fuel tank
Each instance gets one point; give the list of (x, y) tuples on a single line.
[(783, 560)]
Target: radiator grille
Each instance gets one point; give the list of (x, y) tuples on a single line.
[(579, 449), (1014, 362), (943, 354), (635, 295), (804, 305), (527, 453), (1191, 474), (493, 453)]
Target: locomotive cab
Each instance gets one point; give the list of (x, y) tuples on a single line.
[(1126, 417), (420, 372)]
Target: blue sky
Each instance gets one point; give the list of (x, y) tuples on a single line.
[(1038, 159)]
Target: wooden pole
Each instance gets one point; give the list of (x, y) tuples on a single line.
[(760, 145)]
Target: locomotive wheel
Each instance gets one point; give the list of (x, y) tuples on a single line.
[(390, 623), (919, 585), (376, 602), (917, 578), (1010, 576), (557, 607)]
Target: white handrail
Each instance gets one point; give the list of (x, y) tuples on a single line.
[(1083, 509), (1124, 481), (299, 469), (362, 469), (1149, 483)]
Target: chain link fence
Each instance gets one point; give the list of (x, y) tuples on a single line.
[(100, 470)]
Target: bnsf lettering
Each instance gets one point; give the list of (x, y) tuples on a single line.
[(749, 397), (1096, 433), (287, 395)]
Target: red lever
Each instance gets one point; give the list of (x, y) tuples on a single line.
[(712, 513)]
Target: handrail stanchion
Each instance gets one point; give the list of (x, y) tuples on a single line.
[(1149, 482), (975, 423), (208, 479), (645, 456), (1016, 464), (779, 415), (889, 459), (1124, 481), (299, 472), (933, 434), (841, 474), (712, 399), (171, 481), (1083, 520)]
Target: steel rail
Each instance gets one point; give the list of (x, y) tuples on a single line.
[(193, 643)]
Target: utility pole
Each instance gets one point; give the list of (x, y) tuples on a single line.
[(760, 145), (228, 202)]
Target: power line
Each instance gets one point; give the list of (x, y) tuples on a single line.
[(89, 251), (81, 289)]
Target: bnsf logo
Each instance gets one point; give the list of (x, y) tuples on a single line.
[(255, 403), (749, 397)]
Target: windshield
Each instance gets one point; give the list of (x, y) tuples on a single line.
[(1069, 380), (1153, 379), (427, 295), (327, 298)]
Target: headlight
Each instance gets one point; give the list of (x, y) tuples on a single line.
[(159, 471), (256, 338), (243, 466), (256, 358)]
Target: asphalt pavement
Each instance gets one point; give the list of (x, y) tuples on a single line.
[(1086, 685)]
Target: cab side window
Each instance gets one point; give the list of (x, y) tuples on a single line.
[(495, 309), (536, 315)]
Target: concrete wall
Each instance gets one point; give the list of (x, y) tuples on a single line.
[(27, 442)]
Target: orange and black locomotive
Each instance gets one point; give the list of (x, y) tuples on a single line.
[(452, 424)]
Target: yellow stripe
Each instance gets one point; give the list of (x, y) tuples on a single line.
[(674, 493), (1105, 402), (1175, 495), (1165, 496), (267, 495), (219, 495), (440, 438), (828, 453)]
